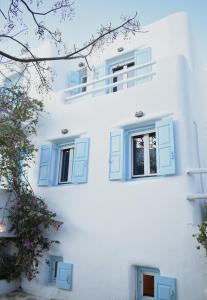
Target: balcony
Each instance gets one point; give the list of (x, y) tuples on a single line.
[(112, 83)]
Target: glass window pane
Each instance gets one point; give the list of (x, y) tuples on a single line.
[(152, 153), (148, 285), (84, 80), (117, 78), (138, 155), (65, 153)]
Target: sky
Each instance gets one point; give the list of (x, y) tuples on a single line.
[(90, 14)]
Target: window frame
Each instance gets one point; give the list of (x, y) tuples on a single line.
[(128, 149), (60, 148)]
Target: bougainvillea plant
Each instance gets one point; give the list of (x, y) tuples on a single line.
[(29, 216)]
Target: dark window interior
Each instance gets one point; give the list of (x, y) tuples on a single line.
[(148, 285), (152, 153), (55, 271), (65, 165)]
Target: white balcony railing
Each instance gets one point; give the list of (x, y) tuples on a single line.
[(105, 85)]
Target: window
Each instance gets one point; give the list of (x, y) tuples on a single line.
[(142, 151), (66, 154), (152, 286), (143, 154), (122, 67), (146, 282), (64, 163)]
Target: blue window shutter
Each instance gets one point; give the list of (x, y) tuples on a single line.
[(74, 79), (165, 288), (165, 147), (80, 162), (116, 168), (52, 261), (98, 72), (64, 276), (143, 56), (45, 165)]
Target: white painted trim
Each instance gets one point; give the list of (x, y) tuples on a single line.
[(143, 120), (196, 171), (196, 196)]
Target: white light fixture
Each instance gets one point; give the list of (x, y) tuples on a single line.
[(64, 131), (139, 114), (2, 228)]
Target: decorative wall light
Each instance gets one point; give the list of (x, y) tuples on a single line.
[(139, 114), (64, 131), (120, 49)]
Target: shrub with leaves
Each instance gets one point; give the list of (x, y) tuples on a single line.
[(202, 236), (29, 215)]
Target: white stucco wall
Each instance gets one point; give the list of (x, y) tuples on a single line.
[(109, 227)]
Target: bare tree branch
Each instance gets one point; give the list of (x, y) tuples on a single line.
[(105, 31)]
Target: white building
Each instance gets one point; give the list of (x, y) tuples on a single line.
[(121, 176)]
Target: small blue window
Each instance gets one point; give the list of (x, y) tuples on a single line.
[(146, 278)]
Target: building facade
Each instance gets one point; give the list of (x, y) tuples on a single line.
[(118, 153)]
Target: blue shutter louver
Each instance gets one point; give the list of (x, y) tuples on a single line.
[(80, 162), (74, 79), (165, 147), (45, 164), (98, 72), (116, 155), (64, 276), (165, 288), (143, 56)]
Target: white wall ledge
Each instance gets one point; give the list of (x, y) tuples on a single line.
[(143, 120)]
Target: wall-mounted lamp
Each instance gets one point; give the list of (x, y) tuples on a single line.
[(81, 65), (64, 131), (139, 114), (120, 49)]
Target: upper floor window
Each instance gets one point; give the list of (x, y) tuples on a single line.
[(118, 65), (115, 74)]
